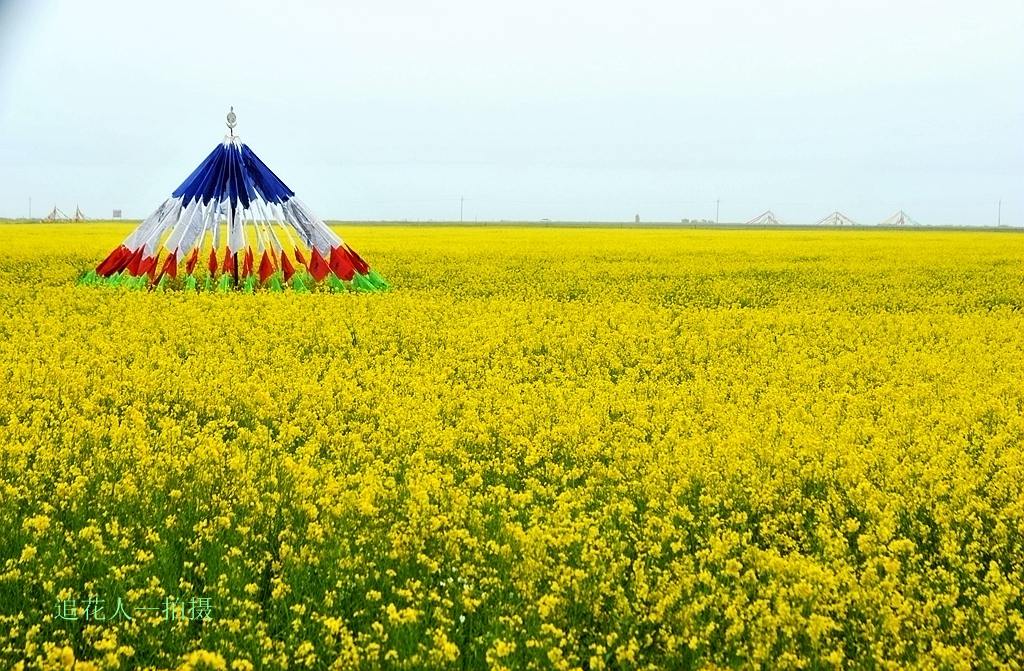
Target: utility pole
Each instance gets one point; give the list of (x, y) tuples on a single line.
[(462, 204), (718, 202), (30, 207), (999, 216)]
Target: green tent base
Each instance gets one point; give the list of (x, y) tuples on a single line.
[(300, 283)]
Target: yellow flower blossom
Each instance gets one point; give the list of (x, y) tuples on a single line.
[(544, 448)]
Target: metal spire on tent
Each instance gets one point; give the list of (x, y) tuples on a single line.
[(837, 218), (900, 218), (247, 224), (766, 218)]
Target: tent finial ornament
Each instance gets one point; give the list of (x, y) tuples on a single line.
[(248, 227)]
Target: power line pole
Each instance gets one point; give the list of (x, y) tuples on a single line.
[(718, 202), (999, 216), (462, 204)]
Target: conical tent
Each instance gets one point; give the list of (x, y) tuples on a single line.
[(248, 226), (56, 214), (836, 219), (766, 218), (900, 218)]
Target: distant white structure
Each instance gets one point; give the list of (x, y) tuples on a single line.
[(901, 218), (56, 214), (837, 218), (766, 218)]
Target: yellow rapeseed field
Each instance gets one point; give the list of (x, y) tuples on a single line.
[(542, 449)]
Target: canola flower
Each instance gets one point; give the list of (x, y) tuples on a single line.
[(542, 449)]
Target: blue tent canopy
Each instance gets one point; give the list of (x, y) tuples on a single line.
[(232, 171)]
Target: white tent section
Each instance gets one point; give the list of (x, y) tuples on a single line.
[(766, 218), (837, 218), (900, 218)]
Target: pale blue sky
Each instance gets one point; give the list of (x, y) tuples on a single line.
[(393, 109)]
